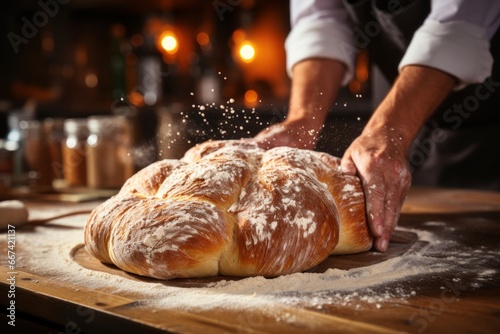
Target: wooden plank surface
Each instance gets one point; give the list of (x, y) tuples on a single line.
[(440, 305), (49, 300), (430, 200)]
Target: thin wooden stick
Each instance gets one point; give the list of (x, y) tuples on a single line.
[(42, 221)]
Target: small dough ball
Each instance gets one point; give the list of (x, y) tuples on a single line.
[(12, 212)]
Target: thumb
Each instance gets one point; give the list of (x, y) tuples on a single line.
[(347, 166)]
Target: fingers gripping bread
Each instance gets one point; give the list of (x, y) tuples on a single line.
[(231, 208)]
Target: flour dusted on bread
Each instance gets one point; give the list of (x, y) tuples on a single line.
[(231, 208)]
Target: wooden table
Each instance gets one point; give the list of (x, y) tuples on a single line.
[(442, 304)]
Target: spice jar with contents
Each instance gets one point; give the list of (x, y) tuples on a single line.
[(74, 152), (36, 155), (108, 159), (54, 132)]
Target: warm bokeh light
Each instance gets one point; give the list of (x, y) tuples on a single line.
[(136, 40), (136, 98), (247, 52), (239, 36), (168, 42), (47, 43), (81, 56), (355, 86), (362, 67), (361, 74), (251, 97), (202, 38), (91, 80)]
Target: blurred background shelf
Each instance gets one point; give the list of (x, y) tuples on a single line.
[(179, 73)]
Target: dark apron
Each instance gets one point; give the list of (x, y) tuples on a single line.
[(460, 144)]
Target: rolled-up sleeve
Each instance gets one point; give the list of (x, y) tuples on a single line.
[(455, 38), (320, 29)]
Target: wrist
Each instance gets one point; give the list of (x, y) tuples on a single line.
[(391, 130), (415, 95)]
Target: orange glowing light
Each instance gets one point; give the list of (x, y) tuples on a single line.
[(168, 42), (239, 36), (251, 97), (202, 38), (247, 52), (355, 86), (136, 98), (362, 67), (91, 80)]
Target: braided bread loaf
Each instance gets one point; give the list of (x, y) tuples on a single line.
[(231, 208)]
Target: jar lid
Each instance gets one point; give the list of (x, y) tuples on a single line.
[(75, 125)]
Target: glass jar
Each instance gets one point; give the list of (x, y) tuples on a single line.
[(15, 138), (109, 163), (54, 132), (6, 157), (6, 165), (74, 160), (36, 154)]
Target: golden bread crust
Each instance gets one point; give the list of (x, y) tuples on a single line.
[(231, 208)]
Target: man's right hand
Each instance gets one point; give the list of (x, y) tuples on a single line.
[(300, 133)]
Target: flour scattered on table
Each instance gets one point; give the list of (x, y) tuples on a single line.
[(369, 286)]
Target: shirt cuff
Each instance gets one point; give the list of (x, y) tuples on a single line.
[(458, 48), (321, 39)]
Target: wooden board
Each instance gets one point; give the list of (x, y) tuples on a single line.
[(425, 200), (77, 309), (430, 311), (47, 304), (401, 242)]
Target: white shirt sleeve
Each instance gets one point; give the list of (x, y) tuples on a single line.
[(320, 29), (455, 38)]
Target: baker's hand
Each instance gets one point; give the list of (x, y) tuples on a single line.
[(298, 133), (379, 159)]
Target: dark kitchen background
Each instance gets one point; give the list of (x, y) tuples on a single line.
[(175, 72)]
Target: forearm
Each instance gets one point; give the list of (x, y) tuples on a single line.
[(379, 155), (415, 95), (315, 85)]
